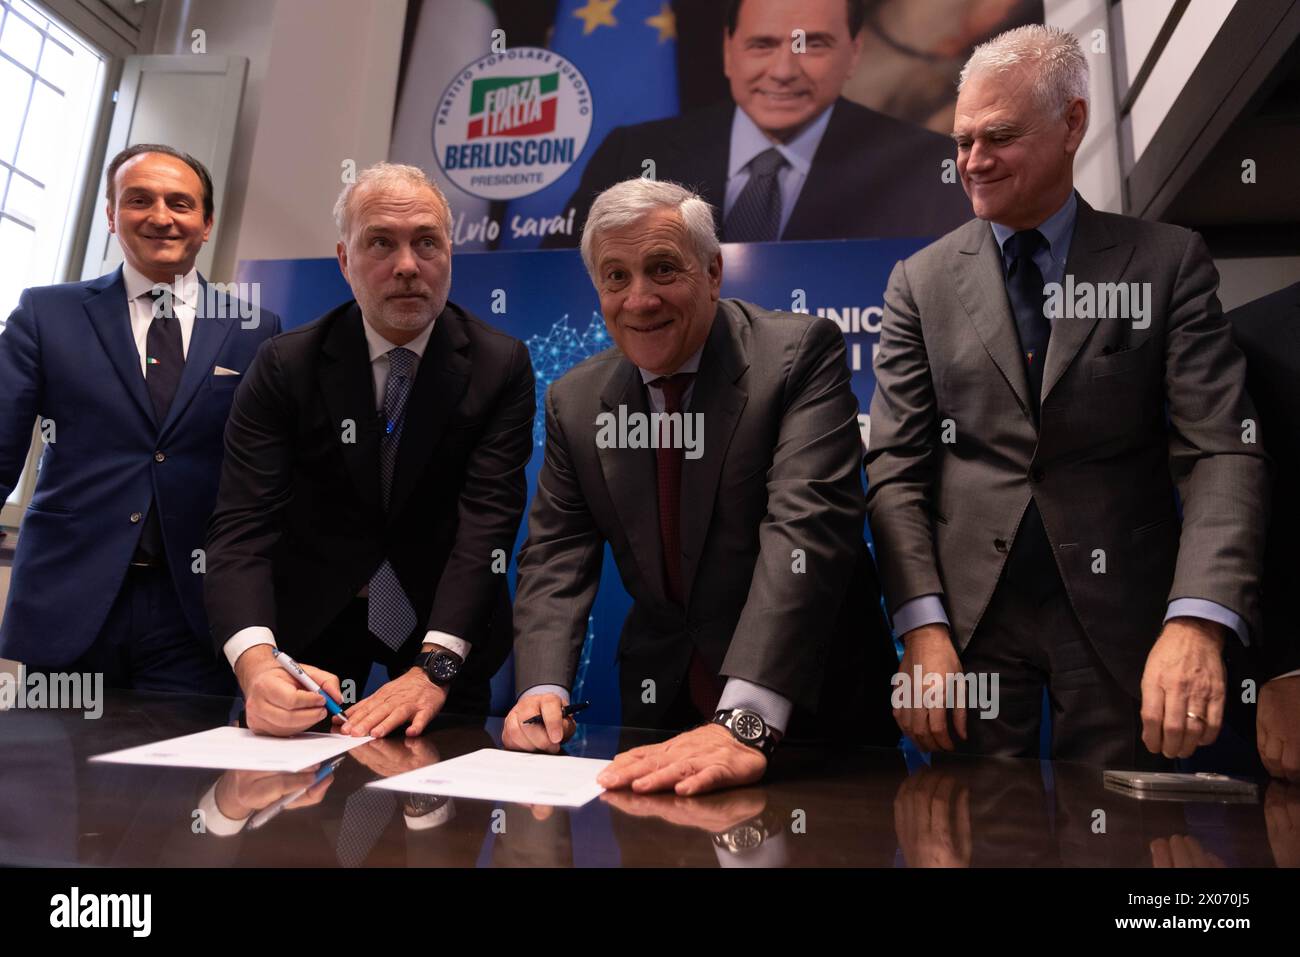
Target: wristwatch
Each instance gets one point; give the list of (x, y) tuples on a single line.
[(743, 837), (748, 728), (440, 665)]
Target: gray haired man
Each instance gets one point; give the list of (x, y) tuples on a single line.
[(716, 450), (1050, 381)]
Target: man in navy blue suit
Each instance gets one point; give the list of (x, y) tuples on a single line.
[(130, 378)]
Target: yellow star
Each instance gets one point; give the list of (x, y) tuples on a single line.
[(665, 23), (597, 13)]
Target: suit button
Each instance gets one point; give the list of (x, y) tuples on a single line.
[(135, 517), (1035, 475), (159, 457), (1000, 544)]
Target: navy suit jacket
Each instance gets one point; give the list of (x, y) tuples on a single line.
[(68, 356)]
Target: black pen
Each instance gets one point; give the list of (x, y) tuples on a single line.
[(569, 711)]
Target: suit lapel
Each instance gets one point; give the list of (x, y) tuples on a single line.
[(1096, 257), (206, 339), (348, 389), (111, 319), (982, 289), (719, 401), (440, 382), (630, 477)]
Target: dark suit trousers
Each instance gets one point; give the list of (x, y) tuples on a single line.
[(348, 649), (147, 644), (1032, 647)]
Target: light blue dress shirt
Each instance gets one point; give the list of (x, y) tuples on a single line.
[(747, 141), (1058, 230)]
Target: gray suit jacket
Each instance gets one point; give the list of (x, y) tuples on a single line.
[(780, 471), (1132, 419)]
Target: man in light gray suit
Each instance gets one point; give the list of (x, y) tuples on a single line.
[(1050, 381), (738, 535)]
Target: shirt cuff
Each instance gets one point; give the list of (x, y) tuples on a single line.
[(773, 708), (246, 638), (560, 690), (926, 610), (214, 822), (1210, 611), (435, 818), (457, 646)]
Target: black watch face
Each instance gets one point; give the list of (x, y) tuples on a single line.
[(748, 726), (443, 667)]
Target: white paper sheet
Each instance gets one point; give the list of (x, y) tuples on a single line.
[(237, 749), (515, 776)]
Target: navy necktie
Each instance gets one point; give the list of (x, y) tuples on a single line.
[(390, 616), (756, 216), (164, 361), (164, 353), (1025, 291), (1031, 567)]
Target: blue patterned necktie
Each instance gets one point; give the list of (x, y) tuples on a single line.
[(756, 216), (391, 618)]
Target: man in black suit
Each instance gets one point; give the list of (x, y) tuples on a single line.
[(737, 529), (347, 536), (790, 158), (1268, 332)]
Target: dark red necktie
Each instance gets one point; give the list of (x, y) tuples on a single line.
[(705, 689)]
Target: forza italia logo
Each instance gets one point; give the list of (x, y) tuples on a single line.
[(512, 123)]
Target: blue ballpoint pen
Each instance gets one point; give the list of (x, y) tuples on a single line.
[(304, 679)]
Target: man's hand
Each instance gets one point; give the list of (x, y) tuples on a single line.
[(389, 758), (704, 759), (1282, 818), (930, 647), (1277, 727), (714, 813), (241, 794), (412, 697), (1182, 850), (274, 703), (554, 730), (932, 820), (1184, 676)]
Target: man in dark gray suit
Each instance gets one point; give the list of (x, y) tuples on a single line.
[(1050, 381), (717, 451)]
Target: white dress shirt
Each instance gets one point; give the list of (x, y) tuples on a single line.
[(379, 348), (185, 302)]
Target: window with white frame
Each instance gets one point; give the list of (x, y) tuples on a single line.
[(50, 88)]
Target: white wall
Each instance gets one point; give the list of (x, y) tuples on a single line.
[(1096, 167), (322, 80), (1191, 38)]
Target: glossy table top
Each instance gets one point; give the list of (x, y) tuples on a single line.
[(817, 807)]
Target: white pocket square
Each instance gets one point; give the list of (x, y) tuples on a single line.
[(222, 370)]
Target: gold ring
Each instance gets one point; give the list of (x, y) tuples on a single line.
[(1194, 716)]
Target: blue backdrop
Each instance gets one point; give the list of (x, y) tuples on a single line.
[(546, 299)]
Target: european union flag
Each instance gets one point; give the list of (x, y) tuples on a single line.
[(627, 51)]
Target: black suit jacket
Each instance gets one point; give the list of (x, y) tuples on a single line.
[(872, 175), (1268, 332), (778, 585), (299, 526)]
